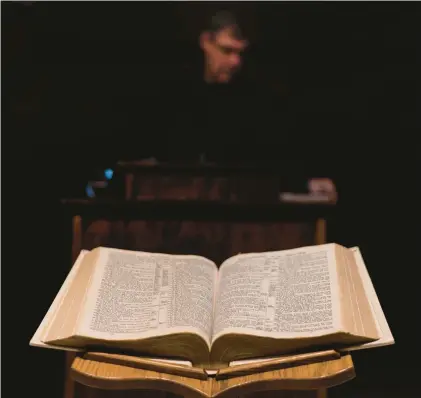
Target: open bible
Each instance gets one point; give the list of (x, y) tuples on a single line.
[(185, 307)]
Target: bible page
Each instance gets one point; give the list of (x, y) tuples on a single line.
[(283, 294), (386, 336), (138, 295), (37, 339)]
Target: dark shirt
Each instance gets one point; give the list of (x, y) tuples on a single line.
[(238, 121)]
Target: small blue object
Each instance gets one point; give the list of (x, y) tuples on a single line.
[(89, 191), (108, 174)]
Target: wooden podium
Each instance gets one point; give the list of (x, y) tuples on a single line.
[(207, 182), (215, 212), (103, 378)]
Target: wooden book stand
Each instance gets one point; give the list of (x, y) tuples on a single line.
[(306, 375)]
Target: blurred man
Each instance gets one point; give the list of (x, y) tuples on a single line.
[(208, 108), (223, 44), (211, 112)]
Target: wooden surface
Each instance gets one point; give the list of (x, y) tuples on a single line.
[(181, 186), (229, 183), (298, 381), (246, 369)]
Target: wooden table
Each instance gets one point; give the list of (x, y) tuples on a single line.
[(101, 379)]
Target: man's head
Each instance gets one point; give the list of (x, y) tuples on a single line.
[(222, 43)]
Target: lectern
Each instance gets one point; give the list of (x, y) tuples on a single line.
[(208, 182), (120, 379)]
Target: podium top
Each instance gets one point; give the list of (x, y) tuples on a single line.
[(313, 376)]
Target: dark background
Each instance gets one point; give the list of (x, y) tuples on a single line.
[(350, 72)]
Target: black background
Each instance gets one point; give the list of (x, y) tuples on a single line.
[(350, 71)]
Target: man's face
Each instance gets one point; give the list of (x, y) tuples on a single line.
[(223, 55)]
